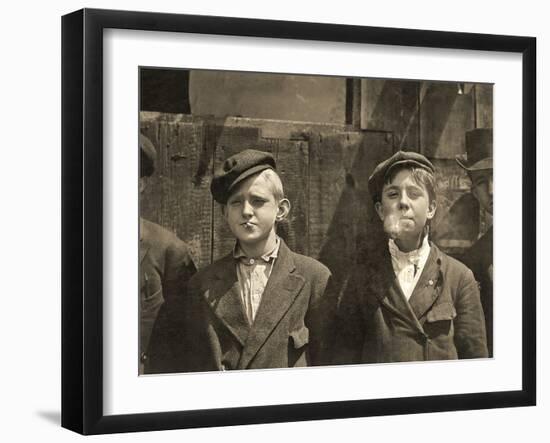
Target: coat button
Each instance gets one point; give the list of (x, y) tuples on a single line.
[(143, 357), (431, 282)]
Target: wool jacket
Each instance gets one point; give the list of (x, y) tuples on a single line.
[(443, 319), (479, 258), (212, 332), (165, 267)]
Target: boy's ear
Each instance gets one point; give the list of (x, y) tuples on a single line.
[(431, 209), (378, 208), (283, 209)]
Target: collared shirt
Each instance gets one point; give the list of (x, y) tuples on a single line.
[(408, 266), (253, 274)]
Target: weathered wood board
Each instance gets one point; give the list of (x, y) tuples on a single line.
[(292, 164), (178, 195), (324, 168), (446, 113)]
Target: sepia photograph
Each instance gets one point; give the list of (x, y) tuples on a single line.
[(292, 220), (279, 221)]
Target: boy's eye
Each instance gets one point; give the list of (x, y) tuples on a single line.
[(258, 201), (392, 194)]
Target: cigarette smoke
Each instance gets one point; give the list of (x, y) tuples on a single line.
[(394, 225)]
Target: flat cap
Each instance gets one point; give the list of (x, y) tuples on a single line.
[(237, 168), (147, 156), (377, 178)]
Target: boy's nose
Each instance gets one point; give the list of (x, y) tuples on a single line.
[(403, 201), (247, 209)]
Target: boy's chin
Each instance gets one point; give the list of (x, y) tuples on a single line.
[(250, 238), (404, 234)]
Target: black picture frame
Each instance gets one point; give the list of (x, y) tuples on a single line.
[(82, 218)]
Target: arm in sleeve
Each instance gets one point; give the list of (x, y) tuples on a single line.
[(320, 320), (167, 339), (167, 347), (469, 324), (179, 268), (348, 331)]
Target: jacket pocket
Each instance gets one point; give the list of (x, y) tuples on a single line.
[(153, 300), (300, 337), (439, 327), (441, 311), (149, 310)]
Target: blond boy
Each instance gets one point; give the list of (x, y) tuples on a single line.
[(260, 306)]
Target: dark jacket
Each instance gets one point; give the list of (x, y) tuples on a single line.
[(479, 258), (442, 320), (288, 329), (165, 267)]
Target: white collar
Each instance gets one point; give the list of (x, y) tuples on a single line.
[(416, 257), (239, 254)]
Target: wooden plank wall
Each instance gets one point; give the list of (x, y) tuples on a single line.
[(432, 118), (292, 164), (484, 105), (178, 194), (342, 218), (324, 167), (452, 105), (393, 106)]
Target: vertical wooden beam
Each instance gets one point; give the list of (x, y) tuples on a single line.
[(475, 106), (391, 106), (353, 102), (446, 113), (483, 105), (419, 87)]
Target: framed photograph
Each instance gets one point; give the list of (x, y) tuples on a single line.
[(269, 221)]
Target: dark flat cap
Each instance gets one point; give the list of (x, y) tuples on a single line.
[(237, 168), (147, 156), (377, 178), (479, 150)]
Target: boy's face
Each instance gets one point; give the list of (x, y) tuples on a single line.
[(251, 210), (482, 188), (405, 206)]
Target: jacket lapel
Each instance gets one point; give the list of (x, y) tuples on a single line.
[(225, 301), (283, 285), (426, 291), (385, 286)]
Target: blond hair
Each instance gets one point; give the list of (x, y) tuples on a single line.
[(274, 182)]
